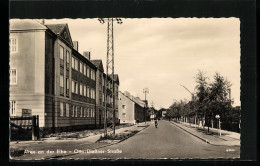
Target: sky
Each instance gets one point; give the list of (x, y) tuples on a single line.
[(164, 53)]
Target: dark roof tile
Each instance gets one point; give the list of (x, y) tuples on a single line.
[(56, 28)]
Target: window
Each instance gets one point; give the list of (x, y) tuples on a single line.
[(81, 112), (84, 69), (76, 111), (61, 56), (67, 86), (72, 86), (94, 75), (61, 109), (124, 114), (88, 112), (85, 112), (93, 112), (13, 77), (124, 106), (61, 84), (85, 90), (73, 111), (88, 92), (68, 59), (76, 65), (13, 45), (80, 67), (93, 94), (67, 110), (81, 89), (88, 73), (12, 108), (76, 87), (72, 62)]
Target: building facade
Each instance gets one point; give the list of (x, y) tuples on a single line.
[(131, 109), (49, 77)]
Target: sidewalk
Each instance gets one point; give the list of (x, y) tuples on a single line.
[(51, 148), (227, 138)]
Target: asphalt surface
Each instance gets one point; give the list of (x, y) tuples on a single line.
[(166, 141)]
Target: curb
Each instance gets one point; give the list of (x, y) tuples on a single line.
[(204, 140), (192, 133), (55, 157)]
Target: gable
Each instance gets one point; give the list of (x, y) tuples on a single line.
[(101, 66), (65, 34)]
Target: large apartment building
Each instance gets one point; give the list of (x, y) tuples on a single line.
[(50, 78)]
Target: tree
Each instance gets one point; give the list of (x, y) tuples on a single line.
[(202, 94), (218, 97)]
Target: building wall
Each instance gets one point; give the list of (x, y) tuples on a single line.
[(126, 115), (139, 113), (29, 61)]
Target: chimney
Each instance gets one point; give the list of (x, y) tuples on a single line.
[(43, 21), (76, 45), (86, 54)]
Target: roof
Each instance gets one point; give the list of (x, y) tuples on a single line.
[(62, 31), (56, 28), (135, 100), (96, 62), (26, 24)]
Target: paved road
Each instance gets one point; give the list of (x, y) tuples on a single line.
[(166, 141)]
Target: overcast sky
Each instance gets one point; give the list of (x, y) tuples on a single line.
[(162, 53)]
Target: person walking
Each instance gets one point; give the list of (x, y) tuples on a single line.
[(156, 123)]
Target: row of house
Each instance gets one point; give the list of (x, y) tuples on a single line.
[(131, 109), (50, 78)]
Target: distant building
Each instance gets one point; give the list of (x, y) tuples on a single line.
[(50, 78), (163, 114), (131, 109)]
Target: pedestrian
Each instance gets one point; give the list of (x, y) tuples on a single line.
[(156, 123)]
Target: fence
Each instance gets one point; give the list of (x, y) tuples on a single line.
[(225, 125), (25, 128)]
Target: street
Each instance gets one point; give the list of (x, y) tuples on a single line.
[(166, 141)]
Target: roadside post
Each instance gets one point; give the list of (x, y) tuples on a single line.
[(219, 127)]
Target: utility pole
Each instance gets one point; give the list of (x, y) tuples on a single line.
[(145, 90), (192, 95), (110, 72)]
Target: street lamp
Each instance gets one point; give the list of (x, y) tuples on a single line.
[(218, 118), (145, 90)]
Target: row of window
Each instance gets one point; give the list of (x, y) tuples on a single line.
[(67, 110), (83, 68), (83, 90), (76, 111)]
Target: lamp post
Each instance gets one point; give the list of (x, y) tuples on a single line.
[(145, 90), (218, 118)]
